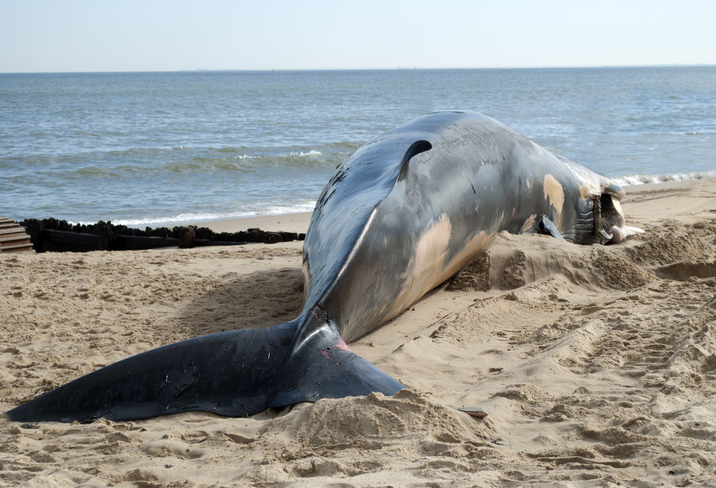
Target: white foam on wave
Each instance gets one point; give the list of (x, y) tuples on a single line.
[(280, 209), (655, 179), (312, 152)]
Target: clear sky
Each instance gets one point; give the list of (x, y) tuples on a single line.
[(146, 35)]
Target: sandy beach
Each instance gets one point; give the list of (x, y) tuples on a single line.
[(596, 364)]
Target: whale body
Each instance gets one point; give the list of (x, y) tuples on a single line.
[(400, 216)]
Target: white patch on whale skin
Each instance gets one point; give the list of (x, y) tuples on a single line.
[(472, 248), (427, 268), (554, 190), (426, 264)]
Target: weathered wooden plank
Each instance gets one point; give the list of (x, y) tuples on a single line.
[(187, 237), (14, 230), (118, 242), (18, 248), (104, 236), (13, 237), (64, 237), (137, 243)]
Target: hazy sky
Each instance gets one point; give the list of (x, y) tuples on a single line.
[(146, 35)]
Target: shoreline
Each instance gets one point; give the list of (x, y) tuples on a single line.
[(292, 222)]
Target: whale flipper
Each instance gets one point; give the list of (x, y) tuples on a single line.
[(546, 226), (235, 373)]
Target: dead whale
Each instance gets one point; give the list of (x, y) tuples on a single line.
[(401, 215)]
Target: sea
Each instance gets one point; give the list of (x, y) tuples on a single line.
[(165, 148)]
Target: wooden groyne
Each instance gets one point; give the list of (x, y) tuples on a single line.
[(13, 237), (61, 236)]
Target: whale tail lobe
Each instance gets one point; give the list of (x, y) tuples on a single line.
[(235, 373)]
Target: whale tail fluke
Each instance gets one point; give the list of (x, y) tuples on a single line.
[(235, 373), (322, 366)]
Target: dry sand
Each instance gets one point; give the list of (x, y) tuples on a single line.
[(597, 365)]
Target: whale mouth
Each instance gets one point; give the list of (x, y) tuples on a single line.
[(599, 220), (610, 225)]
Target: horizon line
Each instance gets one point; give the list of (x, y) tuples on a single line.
[(398, 68)]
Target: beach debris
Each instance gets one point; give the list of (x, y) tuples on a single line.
[(62, 236), (187, 237), (474, 411)]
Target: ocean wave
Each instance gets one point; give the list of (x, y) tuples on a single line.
[(665, 178), (95, 171), (255, 210)]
